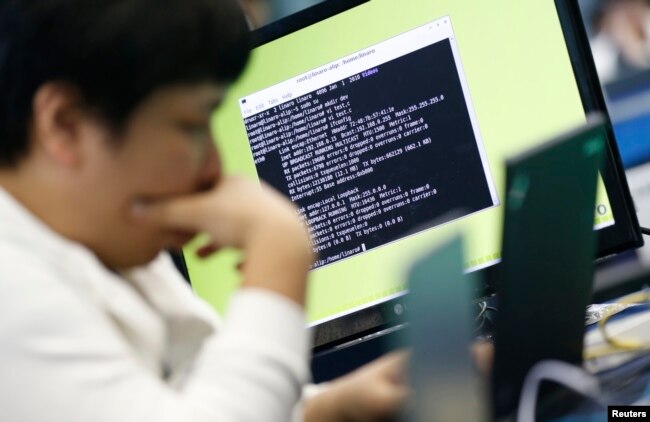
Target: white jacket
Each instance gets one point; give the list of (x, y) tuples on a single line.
[(79, 343)]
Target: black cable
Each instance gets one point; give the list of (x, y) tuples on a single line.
[(645, 231)]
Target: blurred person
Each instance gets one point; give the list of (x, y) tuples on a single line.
[(257, 12), (621, 46), (106, 160)]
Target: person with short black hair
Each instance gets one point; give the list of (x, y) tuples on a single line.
[(106, 161)]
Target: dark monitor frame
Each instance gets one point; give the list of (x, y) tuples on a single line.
[(625, 234)]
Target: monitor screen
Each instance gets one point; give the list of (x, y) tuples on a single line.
[(629, 106), (388, 125)]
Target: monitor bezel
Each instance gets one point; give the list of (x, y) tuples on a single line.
[(624, 235)]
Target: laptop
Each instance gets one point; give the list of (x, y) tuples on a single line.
[(549, 245), (446, 384), (544, 286)]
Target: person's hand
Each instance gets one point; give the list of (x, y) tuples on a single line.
[(483, 354), (258, 220), (375, 392)]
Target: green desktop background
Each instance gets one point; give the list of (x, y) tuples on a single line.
[(523, 91)]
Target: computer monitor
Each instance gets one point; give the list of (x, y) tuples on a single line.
[(629, 105), (388, 124)]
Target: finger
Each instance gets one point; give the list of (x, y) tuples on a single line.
[(394, 364), (400, 355), (183, 213), (389, 399), (207, 250), (483, 353), (395, 397)]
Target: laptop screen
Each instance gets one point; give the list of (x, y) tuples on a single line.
[(388, 125)]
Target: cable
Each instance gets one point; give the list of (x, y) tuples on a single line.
[(573, 377), (481, 315), (617, 344), (483, 307), (645, 231)]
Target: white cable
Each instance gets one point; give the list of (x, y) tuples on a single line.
[(559, 372)]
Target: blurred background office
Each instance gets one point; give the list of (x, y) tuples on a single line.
[(619, 32), (620, 37)]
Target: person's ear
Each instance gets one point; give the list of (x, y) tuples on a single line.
[(58, 117)]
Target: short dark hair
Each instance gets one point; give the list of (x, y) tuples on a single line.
[(115, 52)]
